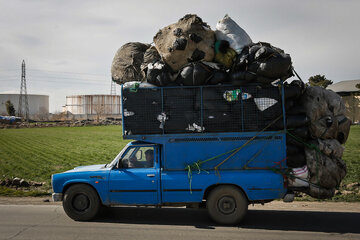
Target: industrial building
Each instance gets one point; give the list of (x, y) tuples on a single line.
[(38, 104), (93, 106), (351, 97)]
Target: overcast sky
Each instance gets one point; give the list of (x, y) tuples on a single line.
[(68, 46)]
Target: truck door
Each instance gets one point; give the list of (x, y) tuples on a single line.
[(136, 179)]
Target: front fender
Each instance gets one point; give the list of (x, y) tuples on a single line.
[(101, 187)]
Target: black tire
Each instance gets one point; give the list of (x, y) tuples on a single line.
[(81, 202), (227, 205)]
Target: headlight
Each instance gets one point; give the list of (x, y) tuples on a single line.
[(52, 182)]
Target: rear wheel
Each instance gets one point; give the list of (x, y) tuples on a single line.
[(227, 205), (81, 202)]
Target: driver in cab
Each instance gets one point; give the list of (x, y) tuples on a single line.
[(149, 157)]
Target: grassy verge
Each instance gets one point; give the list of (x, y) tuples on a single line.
[(4, 191), (352, 156), (36, 153)]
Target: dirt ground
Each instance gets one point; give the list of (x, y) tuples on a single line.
[(275, 205)]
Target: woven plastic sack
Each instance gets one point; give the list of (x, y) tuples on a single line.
[(227, 29), (300, 177), (188, 40), (343, 129), (126, 65), (326, 167), (323, 108)]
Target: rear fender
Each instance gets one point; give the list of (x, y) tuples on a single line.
[(211, 187)]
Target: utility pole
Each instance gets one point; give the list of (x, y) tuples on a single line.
[(113, 88), (23, 108)]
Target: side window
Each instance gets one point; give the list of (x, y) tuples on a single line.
[(143, 157), (138, 157)]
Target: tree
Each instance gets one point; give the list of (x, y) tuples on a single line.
[(10, 108), (357, 85), (99, 109), (319, 80)]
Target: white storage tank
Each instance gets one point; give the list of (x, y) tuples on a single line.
[(86, 106), (38, 104)]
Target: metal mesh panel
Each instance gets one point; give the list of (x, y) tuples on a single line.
[(200, 109), (217, 110), (181, 114), (141, 110)]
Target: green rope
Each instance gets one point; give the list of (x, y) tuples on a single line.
[(197, 165), (257, 153), (308, 145), (250, 140)]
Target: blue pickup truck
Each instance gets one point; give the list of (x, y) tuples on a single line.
[(219, 147)]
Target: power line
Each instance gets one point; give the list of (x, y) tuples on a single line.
[(91, 74), (65, 82), (62, 72), (36, 78)]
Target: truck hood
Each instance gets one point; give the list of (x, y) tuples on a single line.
[(88, 168)]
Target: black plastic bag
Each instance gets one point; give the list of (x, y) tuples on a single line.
[(296, 161), (293, 149), (159, 74), (194, 74), (293, 121), (301, 132), (200, 73), (276, 67), (241, 78), (292, 92), (213, 100), (218, 77)]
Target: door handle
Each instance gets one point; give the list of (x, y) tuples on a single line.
[(150, 175)]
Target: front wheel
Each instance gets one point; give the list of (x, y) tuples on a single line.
[(81, 202), (227, 205)]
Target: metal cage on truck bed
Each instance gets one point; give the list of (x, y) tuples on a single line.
[(200, 109)]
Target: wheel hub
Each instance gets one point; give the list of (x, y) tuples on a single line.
[(227, 205), (81, 202)]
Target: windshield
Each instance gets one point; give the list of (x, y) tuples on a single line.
[(116, 158)]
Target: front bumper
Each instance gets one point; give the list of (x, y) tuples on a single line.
[(57, 197)]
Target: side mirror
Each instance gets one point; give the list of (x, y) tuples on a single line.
[(139, 154), (124, 163)]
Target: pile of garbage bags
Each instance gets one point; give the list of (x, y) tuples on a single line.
[(189, 53)]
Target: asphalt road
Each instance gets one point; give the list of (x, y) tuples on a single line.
[(274, 222)]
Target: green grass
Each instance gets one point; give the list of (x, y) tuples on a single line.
[(4, 191), (36, 153), (352, 156)]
